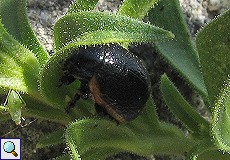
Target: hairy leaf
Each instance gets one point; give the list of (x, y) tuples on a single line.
[(148, 119), (136, 8), (213, 43), (103, 37), (82, 5), (14, 17), (205, 150), (53, 138), (88, 135), (182, 109), (19, 66), (180, 52), (73, 27), (221, 119), (213, 155), (42, 110)]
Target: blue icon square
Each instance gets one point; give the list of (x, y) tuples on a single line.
[(10, 149)]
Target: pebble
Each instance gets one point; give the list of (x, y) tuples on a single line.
[(216, 5), (196, 14)]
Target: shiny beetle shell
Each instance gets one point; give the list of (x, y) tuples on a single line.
[(117, 80)]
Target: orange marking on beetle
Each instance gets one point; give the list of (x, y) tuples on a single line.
[(95, 90)]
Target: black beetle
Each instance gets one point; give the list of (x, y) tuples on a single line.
[(117, 80)]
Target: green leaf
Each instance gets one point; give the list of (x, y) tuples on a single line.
[(148, 119), (213, 155), (221, 119), (88, 135), (136, 8), (14, 17), (42, 110), (213, 43), (74, 27), (19, 66), (180, 52), (206, 150), (82, 5), (102, 37), (56, 137), (15, 104), (84, 108), (182, 109)]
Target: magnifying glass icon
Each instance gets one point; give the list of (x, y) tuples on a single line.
[(9, 147)]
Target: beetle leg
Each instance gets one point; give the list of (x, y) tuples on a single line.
[(72, 103), (84, 93)]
